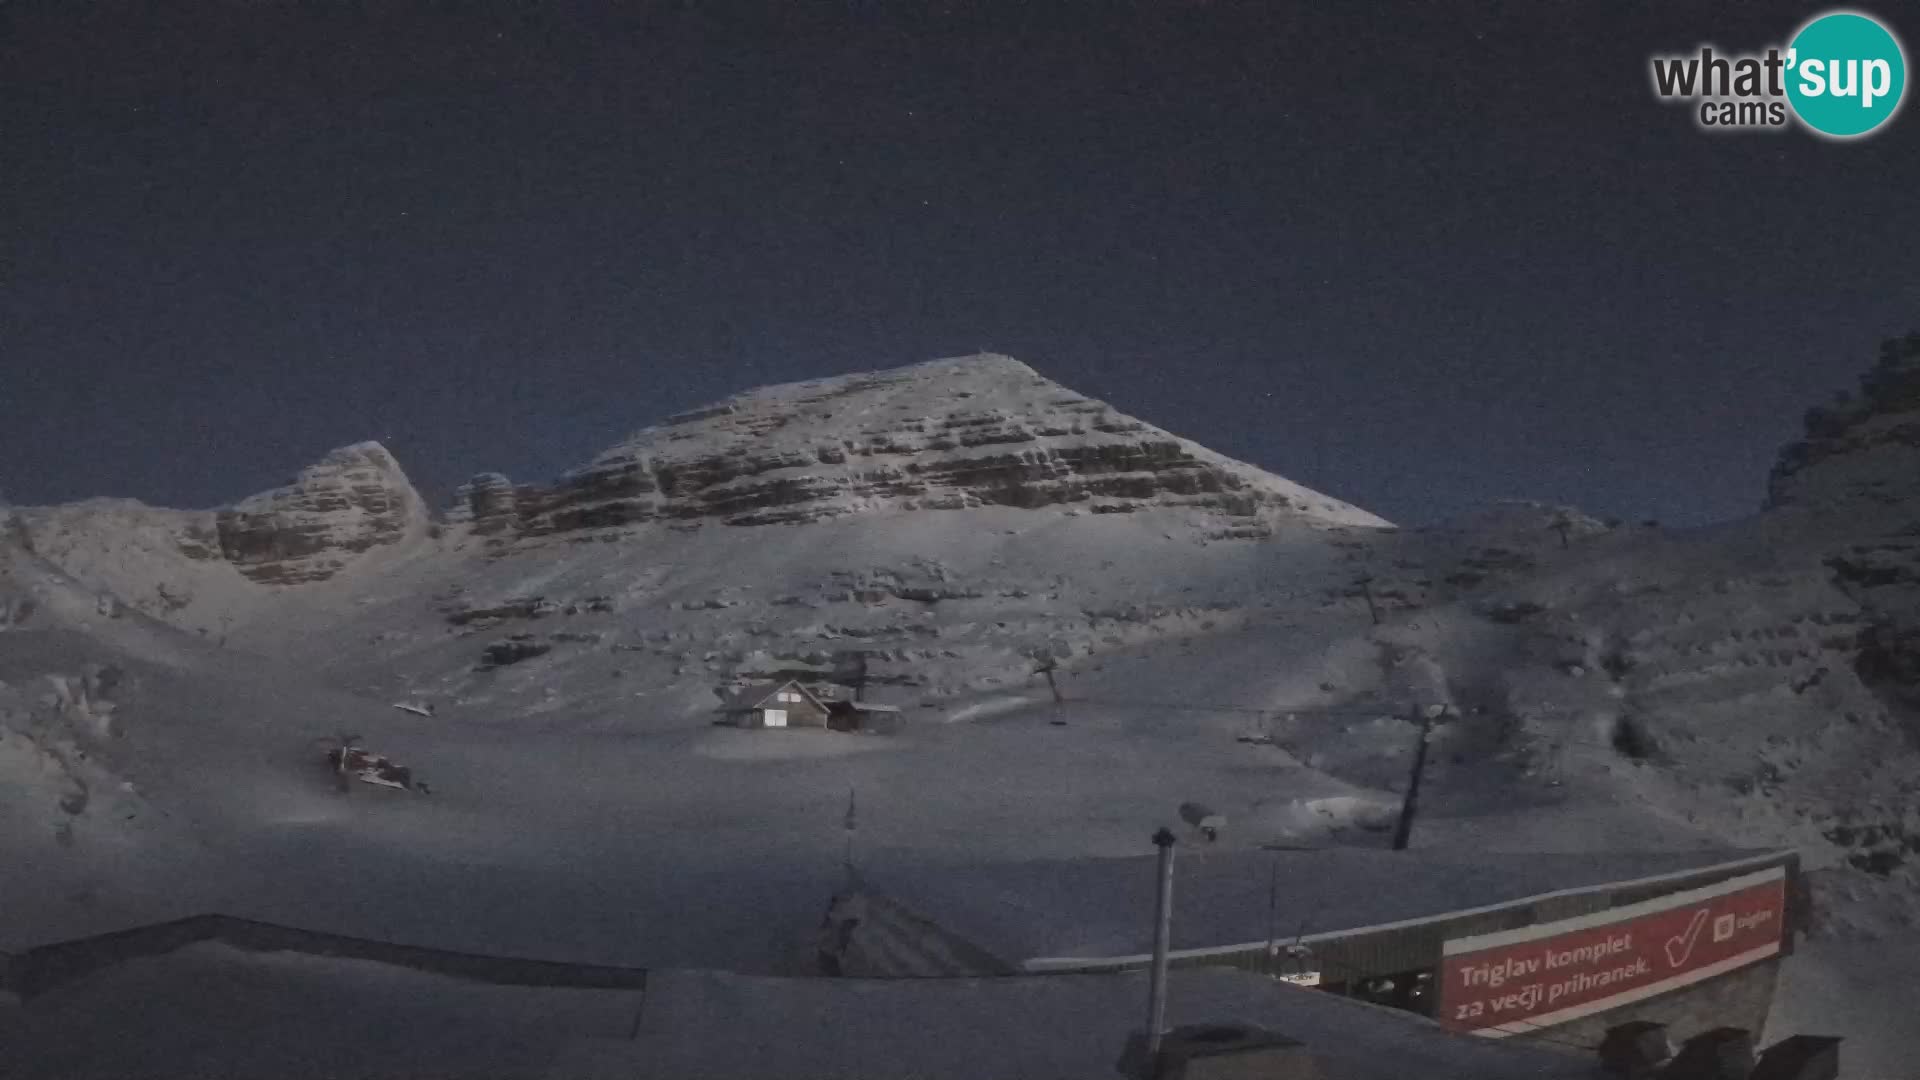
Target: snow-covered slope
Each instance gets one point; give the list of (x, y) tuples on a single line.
[(1219, 634), (165, 563), (205, 570), (77, 834)]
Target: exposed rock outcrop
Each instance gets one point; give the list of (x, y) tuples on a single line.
[(353, 500), (949, 434), (179, 565), (1857, 476), (486, 504), (1863, 449)]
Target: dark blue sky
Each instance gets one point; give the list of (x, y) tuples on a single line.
[(1419, 256)]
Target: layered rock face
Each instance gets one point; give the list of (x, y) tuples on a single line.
[(949, 434), (488, 503), (1863, 449), (181, 565), (1856, 475), (353, 500)]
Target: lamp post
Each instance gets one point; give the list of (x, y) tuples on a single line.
[(1162, 935)]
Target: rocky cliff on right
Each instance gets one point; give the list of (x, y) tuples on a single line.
[(1862, 451), (1854, 482)]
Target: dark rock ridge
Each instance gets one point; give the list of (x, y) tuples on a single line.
[(1862, 449), (1858, 471), (353, 500), (950, 434), (511, 651), (488, 502)]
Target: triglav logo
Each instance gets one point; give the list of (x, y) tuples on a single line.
[(1843, 75)]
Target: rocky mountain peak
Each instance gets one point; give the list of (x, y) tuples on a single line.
[(1862, 449), (946, 434), (353, 500)]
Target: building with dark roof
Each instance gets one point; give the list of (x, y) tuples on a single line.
[(774, 705), (863, 716)]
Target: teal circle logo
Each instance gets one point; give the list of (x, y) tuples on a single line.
[(1846, 74)]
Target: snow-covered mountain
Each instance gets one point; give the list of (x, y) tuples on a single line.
[(946, 529), (950, 434), (950, 520), (954, 523), (200, 568)]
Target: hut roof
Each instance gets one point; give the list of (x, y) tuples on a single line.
[(755, 696)]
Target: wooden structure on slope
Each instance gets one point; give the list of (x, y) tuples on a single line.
[(863, 716), (775, 705)]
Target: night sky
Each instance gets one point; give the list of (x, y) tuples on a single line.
[(1417, 256)]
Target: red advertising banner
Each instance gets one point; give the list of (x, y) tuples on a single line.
[(1518, 980)]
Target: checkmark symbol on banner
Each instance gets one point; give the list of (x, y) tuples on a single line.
[(1681, 947)]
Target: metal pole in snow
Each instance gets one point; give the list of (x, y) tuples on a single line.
[(1365, 581), (1162, 935), (1273, 908), (849, 824), (1408, 806)]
